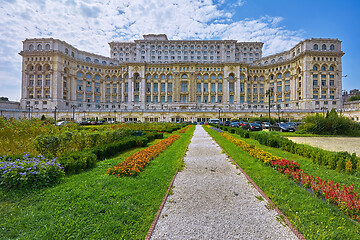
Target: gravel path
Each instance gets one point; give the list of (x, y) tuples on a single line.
[(212, 200), (336, 144)]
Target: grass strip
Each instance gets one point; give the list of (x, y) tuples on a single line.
[(91, 205), (314, 218)]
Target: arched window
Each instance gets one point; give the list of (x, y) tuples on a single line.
[(148, 76), (97, 77), (231, 76), (72, 54), (136, 76), (220, 77), (206, 77), (266, 62), (281, 59), (66, 51), (104, 62), (315, 68), (323, 47), (162, 76), (47, 46), (80, 74), (115, 49), (287, 74), (279, 75), (156, 76), (212, 76), (198, 76), (114, 78), (170, 76), (126, 76), (88, 59), (316, 47), (88, 75), (332, 47), (96, 60), (108, 78), (39, 68), (39, 47), (31, 47), (323, 68), (331, 68), (184, 76), (273, 61)]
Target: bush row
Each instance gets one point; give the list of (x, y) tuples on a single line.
[(74, 162), (340, 161)]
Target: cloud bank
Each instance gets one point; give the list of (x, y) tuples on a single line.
[(90, 24)]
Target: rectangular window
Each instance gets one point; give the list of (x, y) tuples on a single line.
[(206, 99), (198, 87), (148, 87), (126, 87), (287, 87), (198, 99), (212, 99), (241, 87), (162, 99), (156, 89), (323, 82), (219, 99), (169, 87), (219, 87), (184, 87), (148, 98), (137, 87), (162, 87), (231, 87), (332, 83), (169, 99), (184, 98), (156, 100), (279, 88), (231, 99), (88, 88), (315, 82), (213, 88), (206, 87), (241, 99)]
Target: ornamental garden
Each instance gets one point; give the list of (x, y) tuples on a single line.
[(107, 182)]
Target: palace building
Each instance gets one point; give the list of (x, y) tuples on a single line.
[(156, 79)]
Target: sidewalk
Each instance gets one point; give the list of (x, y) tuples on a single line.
[(212, 200)]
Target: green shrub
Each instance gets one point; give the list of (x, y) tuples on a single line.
[(75, 162)]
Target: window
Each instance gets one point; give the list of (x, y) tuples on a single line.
[(331, 68), (315, 76), (39, 47), (316, 47), (31, 47), (332, 83), (279, 76), (148, 87), (315, 68), (212, 87), (198, 87), (80, 74), (315, 82), (323, 68), (184, 98), (184, 76), (162, 87), (219, 87), (169, 99), (231, 99), (206, 87), (126, 87), (184, 87), (88, 75), (323, 47), (137, 87), (156, 87), (231, 87), (332, 47), (287, 74), (287, 87), (169, 87)]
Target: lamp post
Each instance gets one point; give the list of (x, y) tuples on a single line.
[(55, 113), (278, 108), (28, 107), (73, 112), (268, 94), (84, 116), (219, 118)]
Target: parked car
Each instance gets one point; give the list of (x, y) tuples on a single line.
[(282, 127), (227, 123), (235, 124), (252, 127), (265, 125), (242, 123), (60, 123)]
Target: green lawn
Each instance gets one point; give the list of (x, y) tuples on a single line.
[(91, 205), (314, 218)]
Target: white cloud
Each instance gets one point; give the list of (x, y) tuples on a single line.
[(90, 24)]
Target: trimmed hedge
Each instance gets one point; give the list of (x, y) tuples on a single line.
[(75, 162), (339, 161)]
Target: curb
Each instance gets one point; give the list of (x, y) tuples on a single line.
[(153, 224), (287, 221)]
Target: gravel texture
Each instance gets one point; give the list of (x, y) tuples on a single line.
[(212, 200), (336, 144)]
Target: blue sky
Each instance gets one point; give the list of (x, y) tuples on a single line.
[(90, 24)]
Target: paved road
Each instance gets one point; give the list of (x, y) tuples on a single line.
[(212, 200)]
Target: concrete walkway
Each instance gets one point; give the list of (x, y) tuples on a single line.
[(212, 200)]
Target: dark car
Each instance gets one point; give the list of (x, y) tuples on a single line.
[(227, 123), (282, 127), (252, 127)]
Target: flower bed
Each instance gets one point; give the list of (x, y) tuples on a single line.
[(344, 197), (185, 129), (27, 172), (136, 162)]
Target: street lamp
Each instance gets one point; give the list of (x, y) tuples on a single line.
[(28, 107), (268, 94), (73, 112), (219, 118), (55, 113), (278, 108)]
